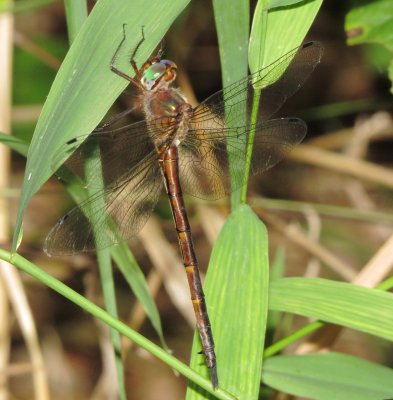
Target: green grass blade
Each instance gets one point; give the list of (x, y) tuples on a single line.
[(280, 31), (14, 143), (105, 269), (108, 290), (273, 33), (282, 344), (352, 306), (127, 265), (76, 15), (277, 271), (135, 278), (94, 310), (120, 253), (236, 288), (85, 88), (232, 20), (282, 3), (328, 376), (386, 284)]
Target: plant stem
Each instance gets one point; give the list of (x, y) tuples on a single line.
[(53, 283), (283, 343), (250, 143)]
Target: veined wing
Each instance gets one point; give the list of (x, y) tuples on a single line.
[(126, 202), (221, 126), (112, 154), (204, 155), (278, 82), (124, 181)]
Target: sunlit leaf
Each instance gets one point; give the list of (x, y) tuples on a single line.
[(275, 32), (349, 305), (328, 376), (236, 289)]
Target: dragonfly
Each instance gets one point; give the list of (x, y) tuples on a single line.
[(183, 148)]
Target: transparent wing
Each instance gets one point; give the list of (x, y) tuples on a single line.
[(127, 202), (120, 151), (123, 174), (221, 126), (204, 155), (124, 181), (278, 81)]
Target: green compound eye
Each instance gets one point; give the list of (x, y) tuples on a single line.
[(159, 74), (153, 75)]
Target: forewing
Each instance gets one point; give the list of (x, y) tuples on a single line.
[(278, 81), (204, 154), (123, 180), (127, 202), (220, 127), (119, 150)]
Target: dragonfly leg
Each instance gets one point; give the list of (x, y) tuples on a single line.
[(114, 69), (132, 59), (157, 58)]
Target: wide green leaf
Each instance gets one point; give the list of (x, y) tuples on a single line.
[(277, 31), (85, 88), (281, 3), (352, 306), (232, 19), (76, 12), (236, 290), (328, 376)]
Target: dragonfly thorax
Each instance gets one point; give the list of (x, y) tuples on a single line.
[(165, 103), (159, 75), (169, 111)]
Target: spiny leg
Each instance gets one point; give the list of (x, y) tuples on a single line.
[(113, 60), (132, 59)]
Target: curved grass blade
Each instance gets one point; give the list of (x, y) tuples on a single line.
[(237, 276), (14, 143), (107, 281), (136, 280), (263, 36), (232, 20), (76, 14), (120, 253), (271, 4), (328, 376), (58, 286), (85, 88), (275, 32), (127, 265), (364, 309)]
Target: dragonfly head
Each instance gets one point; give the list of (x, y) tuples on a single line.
[(159, 74)]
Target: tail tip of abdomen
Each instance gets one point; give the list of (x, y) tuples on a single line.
[(214, 377)]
